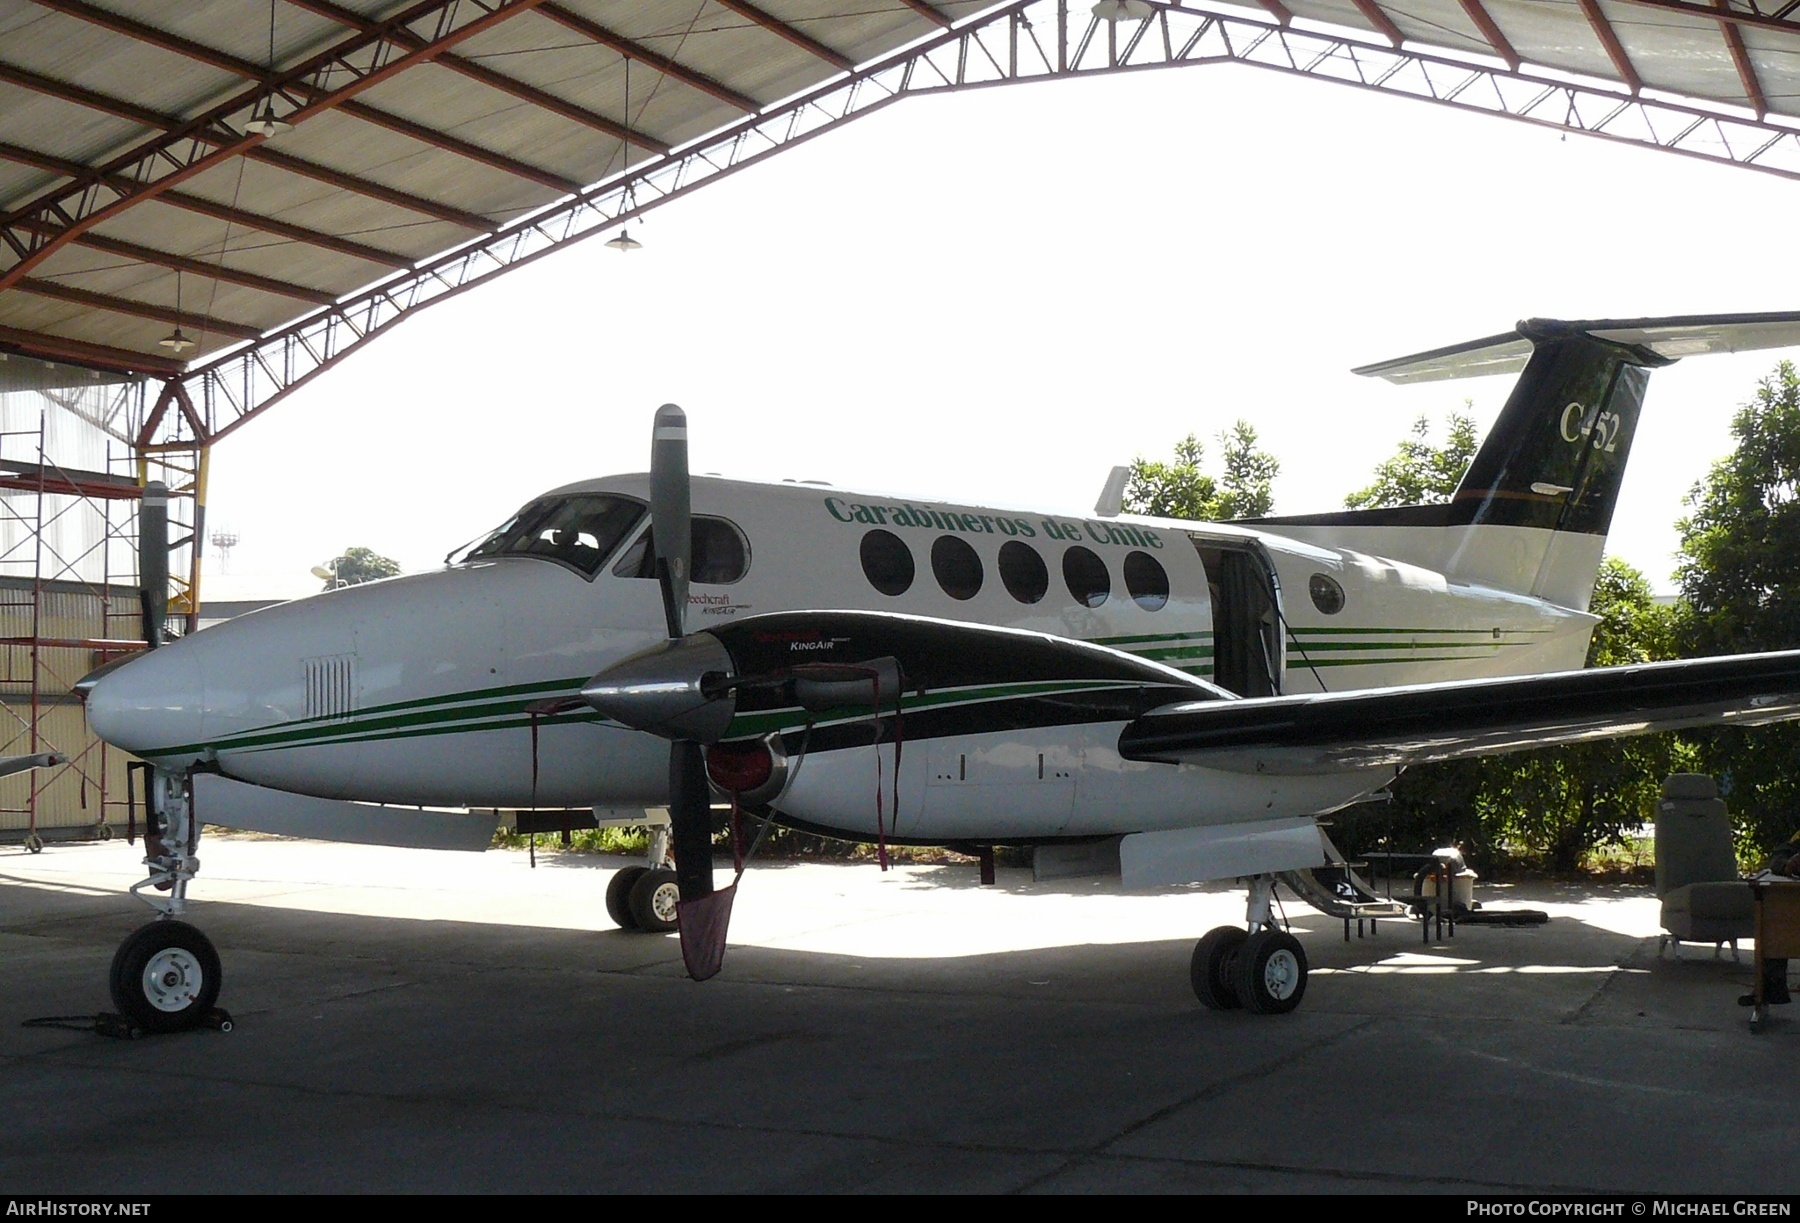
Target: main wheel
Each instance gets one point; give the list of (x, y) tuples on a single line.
[(165, 977), (653, 900), (1271, 972), (1212, 971), (618, 896)]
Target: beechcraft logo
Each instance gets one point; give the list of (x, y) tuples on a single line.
[(1604, 428)]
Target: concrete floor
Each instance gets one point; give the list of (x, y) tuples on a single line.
[(413, 1021)]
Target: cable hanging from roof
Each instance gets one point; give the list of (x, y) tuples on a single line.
[(624, 243), (264, 121)]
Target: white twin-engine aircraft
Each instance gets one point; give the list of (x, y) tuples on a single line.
[(885, 668)]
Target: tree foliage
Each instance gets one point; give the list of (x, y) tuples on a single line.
[(1551, 806), (1181, 489), (358, 565), (1420, 473), (1739, 573)]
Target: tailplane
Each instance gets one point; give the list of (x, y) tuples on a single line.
[(1532, 512)]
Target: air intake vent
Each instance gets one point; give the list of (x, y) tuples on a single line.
[(330, 686)]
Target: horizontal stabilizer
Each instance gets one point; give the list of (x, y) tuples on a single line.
[(1421, 723), (237, 804), (1669, 338)]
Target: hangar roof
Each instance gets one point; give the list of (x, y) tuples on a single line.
[(136, 196)]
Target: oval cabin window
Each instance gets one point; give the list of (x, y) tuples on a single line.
[(887, 562), (1147, 581), (956, 566), (1326, 594), (1088, 581), (1023, 571)]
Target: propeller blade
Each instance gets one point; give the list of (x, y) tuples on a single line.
[(690, 819), (671, 515), (153, 560), (703, 915)]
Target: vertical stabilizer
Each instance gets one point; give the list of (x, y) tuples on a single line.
[(1532, 513)]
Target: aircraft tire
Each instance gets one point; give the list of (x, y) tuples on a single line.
[(653, 899), (1212, 970), (618, 896), (166, 977), (1271, 973)]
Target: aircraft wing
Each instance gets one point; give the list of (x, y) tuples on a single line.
[(1422, 723)]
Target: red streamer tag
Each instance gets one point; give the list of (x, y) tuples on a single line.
[(703, 923)]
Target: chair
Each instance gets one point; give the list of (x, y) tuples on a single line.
[(1703, 898)]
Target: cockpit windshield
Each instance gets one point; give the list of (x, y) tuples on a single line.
[(580, 531)]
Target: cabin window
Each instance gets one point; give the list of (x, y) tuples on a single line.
[(956, 566), (579, 531), (1022, 570), (1088, 581), (1147, 581), (720, 556), (887, 562), (1326, 594)]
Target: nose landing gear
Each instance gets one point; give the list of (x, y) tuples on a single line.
[(166, 976), (1261, 969)]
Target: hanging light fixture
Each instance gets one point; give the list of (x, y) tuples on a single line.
[(1122, 10), (263, 120), (176, 343), (623, 241)]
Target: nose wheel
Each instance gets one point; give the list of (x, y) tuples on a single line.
[(166, 977)]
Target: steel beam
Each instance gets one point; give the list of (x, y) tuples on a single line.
[(1740, 59), (221, 212), (121, 109), (781, 29), (1023, 41), (461, 148), (204, 269), (138, 309), (597, 33), (320, 84), (260, 73), (1491, 32), (1377, 17), (495, 80), (1615, 50), (82, 352), (462, 218)]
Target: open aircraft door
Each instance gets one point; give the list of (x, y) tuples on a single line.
[(1248, 656)]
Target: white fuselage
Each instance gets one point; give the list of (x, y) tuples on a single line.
[(415, 690)]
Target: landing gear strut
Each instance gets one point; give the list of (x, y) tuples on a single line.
[(166, 976), (1261, 969)]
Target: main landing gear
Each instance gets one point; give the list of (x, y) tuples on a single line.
[(166, 976), (1261, 969), (643, 898)]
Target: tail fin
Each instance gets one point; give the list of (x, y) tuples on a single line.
[(1532, 512)]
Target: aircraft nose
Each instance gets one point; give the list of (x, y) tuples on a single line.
[(150, 705)]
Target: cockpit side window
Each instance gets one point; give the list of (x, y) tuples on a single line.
[(720, 554), (579, 531)]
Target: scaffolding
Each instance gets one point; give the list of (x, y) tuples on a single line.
[(74, 459)]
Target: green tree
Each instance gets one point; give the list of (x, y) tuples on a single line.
[(359, 565), (1420, 473), (1551, 806), (1739, 573), (1181, 489)]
